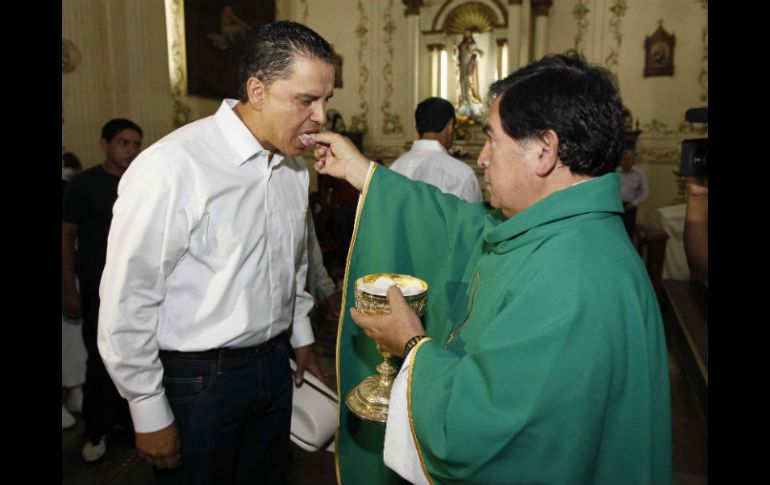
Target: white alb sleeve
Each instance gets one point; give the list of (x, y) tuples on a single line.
[(400, 453)]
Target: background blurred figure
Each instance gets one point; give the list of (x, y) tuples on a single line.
[(633, 190), (70, 165), (86, 218), (338, 200), (73, 352), (319, 283)]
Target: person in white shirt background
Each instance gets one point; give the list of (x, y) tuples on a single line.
[(203, 290), (428, 159), (633, 190)]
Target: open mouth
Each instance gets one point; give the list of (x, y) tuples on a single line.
[(306, 139)]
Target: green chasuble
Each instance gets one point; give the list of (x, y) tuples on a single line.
[(547, 362)]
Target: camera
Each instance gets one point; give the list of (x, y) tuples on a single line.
[(695, 152)]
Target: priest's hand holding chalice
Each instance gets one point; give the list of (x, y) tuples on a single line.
[(388, 309)]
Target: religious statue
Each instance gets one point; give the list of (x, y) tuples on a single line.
[(467, 52)]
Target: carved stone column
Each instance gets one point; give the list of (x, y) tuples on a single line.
[(540, 9), (412, 14), (514, 35)]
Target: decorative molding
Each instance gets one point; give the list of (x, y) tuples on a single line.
[(659, 155), (692, 129), (657, 127), (501, 42), (391, 121), (580, 14), (70, 56), (412, 7), (514, 2), (358, 122), (617, 12), (439, 22), (435, 47), (473, 15), (176, 59), (540, 8), (384, 151)]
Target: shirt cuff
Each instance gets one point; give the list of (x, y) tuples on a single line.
[(301, 333), (151, 415)]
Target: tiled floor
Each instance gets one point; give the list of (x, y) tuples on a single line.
[(121, 465)]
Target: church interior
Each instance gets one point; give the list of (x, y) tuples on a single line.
[(158, 63)]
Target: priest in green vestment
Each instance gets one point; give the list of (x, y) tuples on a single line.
[(541, 357)]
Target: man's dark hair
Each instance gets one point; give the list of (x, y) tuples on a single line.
[(432, 114), (270, 50), (580, 102), (116, 125)]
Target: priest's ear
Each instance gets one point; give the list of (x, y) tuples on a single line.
[(548, 156)]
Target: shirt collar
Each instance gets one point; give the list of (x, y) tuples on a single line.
[(239, 137), (428, 145)]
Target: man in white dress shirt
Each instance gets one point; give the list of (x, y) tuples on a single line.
[(429, 161), (203, 290)]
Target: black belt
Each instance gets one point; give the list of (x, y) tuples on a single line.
[(226, 352)]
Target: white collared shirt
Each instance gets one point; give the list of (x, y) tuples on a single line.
[(207, 249), (428, 161)]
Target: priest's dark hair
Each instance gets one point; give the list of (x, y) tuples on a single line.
[(432, 115), (269, 52), (578, 101)]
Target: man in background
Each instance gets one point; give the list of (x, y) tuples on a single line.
[(633, 190), (428, 159), (86, 218)]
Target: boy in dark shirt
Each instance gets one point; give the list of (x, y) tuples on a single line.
[(86, 216)]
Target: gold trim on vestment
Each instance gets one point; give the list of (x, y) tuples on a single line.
[(409, 407), (373, 167)]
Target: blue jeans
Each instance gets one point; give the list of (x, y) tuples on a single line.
[(233, 415)]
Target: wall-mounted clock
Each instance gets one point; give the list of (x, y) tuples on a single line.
[(659, 53)]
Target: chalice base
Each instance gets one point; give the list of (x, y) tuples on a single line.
[(370, 399)]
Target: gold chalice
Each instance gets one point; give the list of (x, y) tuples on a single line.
[(370, 399)]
